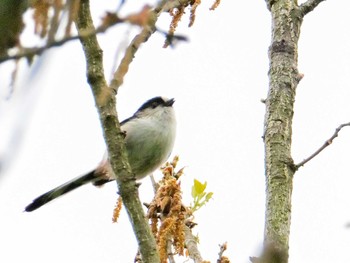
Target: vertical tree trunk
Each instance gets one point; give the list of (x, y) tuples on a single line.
[(279, 166), (287, 17)]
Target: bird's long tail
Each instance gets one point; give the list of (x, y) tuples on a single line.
[(61, 190)]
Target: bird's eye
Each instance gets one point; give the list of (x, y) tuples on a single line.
[(154, 105)]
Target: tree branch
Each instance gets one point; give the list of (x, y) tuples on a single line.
[(148, 29), (105, 101), (114, 137), (31, 52), (222, 258), (170, 253), (191, 245), (130, 52), (308, 6), (163, 6), (324, 146), (283, 80)]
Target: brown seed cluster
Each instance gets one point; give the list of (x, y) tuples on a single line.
[(167, 214)]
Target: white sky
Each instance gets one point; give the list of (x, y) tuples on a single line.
[(218, 80)]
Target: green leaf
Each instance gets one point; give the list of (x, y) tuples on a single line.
[(209, 196), (198, 188), (200, 197)]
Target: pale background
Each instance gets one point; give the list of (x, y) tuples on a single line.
[(218, 80)]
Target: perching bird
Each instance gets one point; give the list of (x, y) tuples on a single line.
[(149, 140)]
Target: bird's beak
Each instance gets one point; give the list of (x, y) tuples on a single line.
[(170, 102)]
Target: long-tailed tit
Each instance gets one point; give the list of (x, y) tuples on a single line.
[(149, 140)]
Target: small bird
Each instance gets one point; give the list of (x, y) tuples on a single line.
[(149, 140)]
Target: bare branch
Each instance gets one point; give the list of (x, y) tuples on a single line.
[(223, 248), (114, 137), (308, 6), (191, 245), (148, 29), (170, 253), (325, 145), (129, 55), (31, 52)]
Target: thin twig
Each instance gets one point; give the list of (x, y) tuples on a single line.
[(31, 52), (191, 245), (129, 55), (308, 6), (142, 37), (170, 253), (325, 145), (155, 185), (223, 248)]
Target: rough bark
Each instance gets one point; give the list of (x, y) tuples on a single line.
[(284, 77), (114, 137)]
